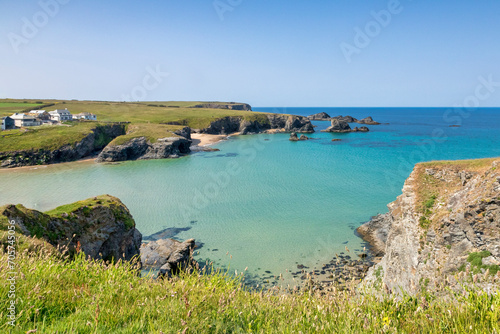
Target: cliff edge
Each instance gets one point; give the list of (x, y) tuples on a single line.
[(102, 227), (442, 231)]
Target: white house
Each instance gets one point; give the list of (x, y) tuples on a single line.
[(22, 120), (85, 115), (60, 115)]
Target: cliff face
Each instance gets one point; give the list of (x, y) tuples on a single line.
[(102, 227), (141, 148), (444, 228), (286, 123), (92, 143)]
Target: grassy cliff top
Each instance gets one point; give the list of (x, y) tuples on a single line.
[(182, 113), (145, 118), (45, 137), (102, 200), (152, 132)]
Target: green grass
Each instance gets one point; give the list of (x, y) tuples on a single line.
[(152, 132), (144, 112), (86, 296), (142, 116), (103, 200), (44, 137), (8, 108), (476, 261)]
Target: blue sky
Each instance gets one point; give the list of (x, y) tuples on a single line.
[(267, 53)]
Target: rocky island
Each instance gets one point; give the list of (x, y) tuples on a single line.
[(341, 126), (323, 116)]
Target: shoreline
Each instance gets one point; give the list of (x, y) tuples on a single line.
[(201, 140), (91, 159)]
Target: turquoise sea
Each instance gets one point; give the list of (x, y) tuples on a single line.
[(264, 202)]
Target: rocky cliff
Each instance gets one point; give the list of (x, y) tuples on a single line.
[(101, 227), (286, 123), (141, 148), (443, 231), (94, 142)]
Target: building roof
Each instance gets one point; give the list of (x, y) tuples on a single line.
[(37, 111), (59, 111), (22, 116), (85, 114)]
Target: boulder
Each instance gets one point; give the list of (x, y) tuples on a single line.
[(293, 137), (303, 137), (169, 256)]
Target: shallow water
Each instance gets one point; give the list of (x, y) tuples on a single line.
[(266, 202)]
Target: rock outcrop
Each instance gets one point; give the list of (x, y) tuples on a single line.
[(95, 141), (368, 120), (360, 129), (169, 255), (294, 137), (338, 126), (322, 116), (348, 119), (447, 216), (233, 124), (102, 227), (141, 148)]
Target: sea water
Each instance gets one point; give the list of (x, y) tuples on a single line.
[(263, 202)]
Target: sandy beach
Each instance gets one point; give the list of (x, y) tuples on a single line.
[(203, 139)]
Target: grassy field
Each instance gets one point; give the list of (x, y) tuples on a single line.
[(44, 137), (8, 108), (139, 112), (86, 296), (145, 117), (142, 113)]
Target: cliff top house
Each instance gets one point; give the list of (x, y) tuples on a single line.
[(60, 115)]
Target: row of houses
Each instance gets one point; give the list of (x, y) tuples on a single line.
[(39, 117)]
